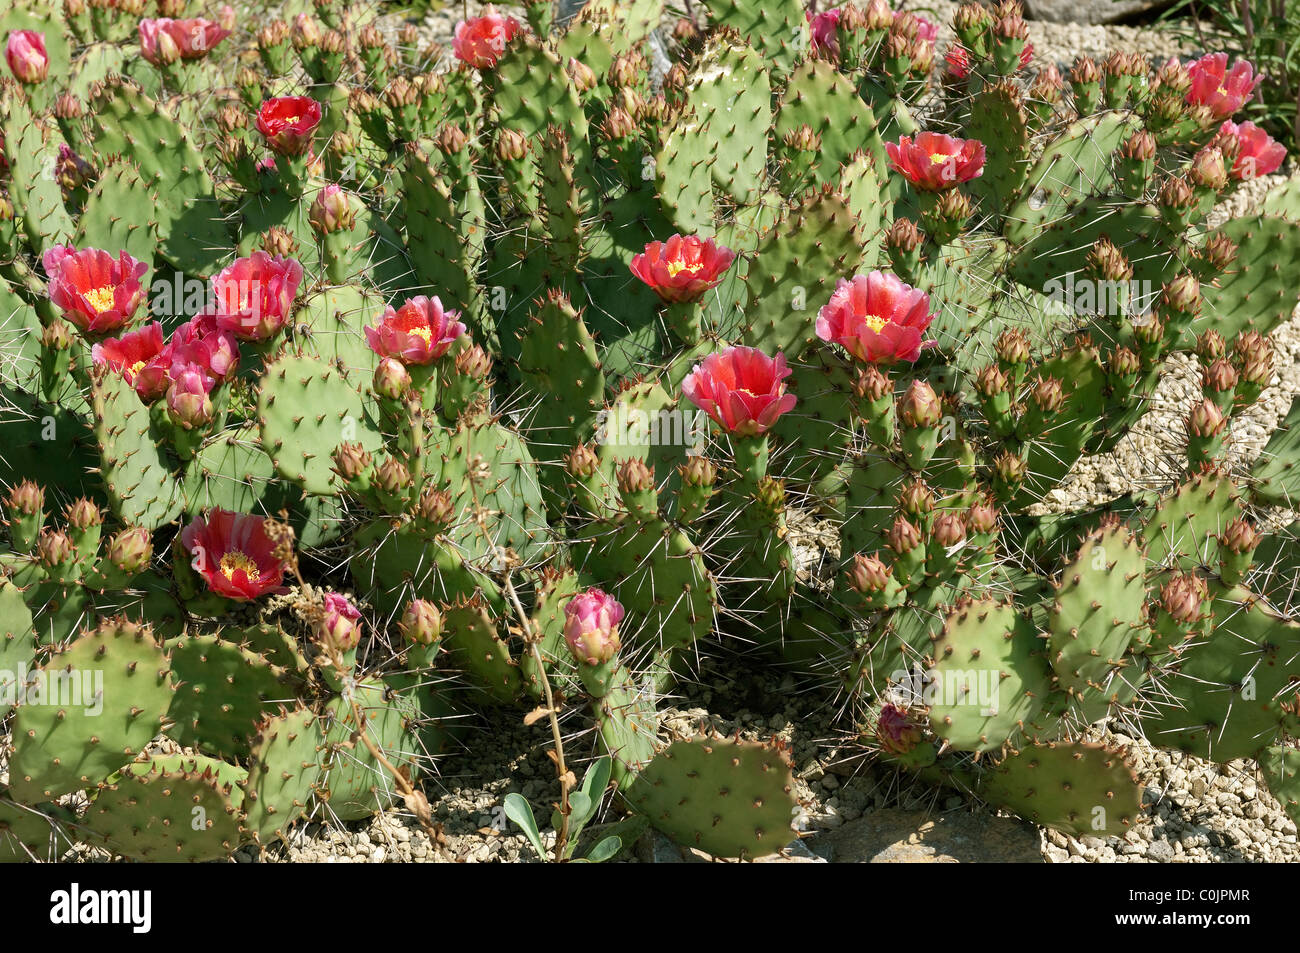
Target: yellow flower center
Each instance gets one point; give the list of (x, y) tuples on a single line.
[(676, 267), (235, 561), (939, 158), (133, 370), (423, 332), (874, 321), (101, 299), (1221, 91)]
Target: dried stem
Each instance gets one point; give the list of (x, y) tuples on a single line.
[(534, 647)]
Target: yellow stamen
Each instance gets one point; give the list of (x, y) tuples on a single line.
[(423, 332), (1221, 91), (133, 370), (676, 267), (873, 321), (939, 158), (235, 561), (101, 299)]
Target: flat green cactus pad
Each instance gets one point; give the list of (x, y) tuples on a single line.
[(1071, 786), (284, 768), (169, 808), (83, 729), (988, 678), (726, 798)]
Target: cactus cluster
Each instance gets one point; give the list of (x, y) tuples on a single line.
[(339, 376)]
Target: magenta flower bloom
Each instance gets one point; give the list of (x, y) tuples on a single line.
[(95, 291), (824, 27), (419, 332), (1257, 152), (1223, 91), (682, 268), (591, 621), (254, 296), (741, 388), (188, 403), (933, 162), (234, 555), (481, 41), (876, 318), (25, 53), (202, 344)]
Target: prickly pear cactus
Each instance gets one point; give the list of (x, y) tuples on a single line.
[(342, 389)]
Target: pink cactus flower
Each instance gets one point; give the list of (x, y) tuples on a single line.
[(682, 268), (1257, 152), (741, 388), (876, 318), (254, 296), (341, 625), (933, 162), (94, 290), (164, 40), (1223, 91), (591, 621), (419, 332), (481, 41), (824, 28), (25, 53)]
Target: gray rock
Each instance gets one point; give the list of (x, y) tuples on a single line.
[(894, 836), (1088, 11), (1160, 852)]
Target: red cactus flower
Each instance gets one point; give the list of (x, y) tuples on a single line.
[(876, 318), (164, 40), (419, 332), (958, 60), (132, 353), (741, 388), (682, 268), (95, 291), (481, 41), (934, 162), (233, 553), (591, 621), (1026, 55), (1257, 153), (824, 27), (288, 123), (254, 296), (25, 53), (1223, 91)]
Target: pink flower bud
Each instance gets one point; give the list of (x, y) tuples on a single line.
[(591, 621)]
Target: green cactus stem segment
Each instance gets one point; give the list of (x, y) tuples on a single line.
[(751, 460)]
